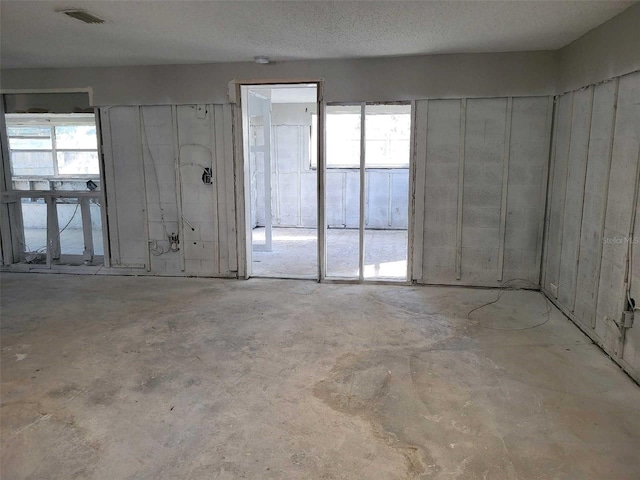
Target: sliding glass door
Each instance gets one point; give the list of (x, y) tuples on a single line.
[(367, 191)]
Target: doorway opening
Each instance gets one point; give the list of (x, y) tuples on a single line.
[(281, 180)]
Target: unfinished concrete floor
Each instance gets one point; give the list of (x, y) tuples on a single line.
[(163, 378)]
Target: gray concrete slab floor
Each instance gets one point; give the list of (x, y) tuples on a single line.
[(108, 377)]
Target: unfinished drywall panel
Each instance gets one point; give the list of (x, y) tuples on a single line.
[(205, 163), (442, 155), (124, 176), (481, 169), (605, 217), (169, 173), (158, 149), (557, 192), (620, 205), (484, 141), (574, 195), (595, 201), (527, 174), (199, 200), (631, 351)]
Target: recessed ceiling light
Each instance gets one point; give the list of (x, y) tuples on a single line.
[(261, 60), (80, 14)]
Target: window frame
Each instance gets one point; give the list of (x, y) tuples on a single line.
[(356, 166), (51, 121)]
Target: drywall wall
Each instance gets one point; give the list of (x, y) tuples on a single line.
[(47, 102), (609, 50), (376, 79), (155, 157), (481, 167), (592, 199)]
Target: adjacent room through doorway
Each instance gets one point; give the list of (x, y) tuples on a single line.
[(283, 221), (365, 187)]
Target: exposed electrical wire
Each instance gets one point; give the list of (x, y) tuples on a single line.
[(503, 288), (194, 165), (156, 249)]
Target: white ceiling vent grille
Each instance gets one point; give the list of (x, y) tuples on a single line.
[(81, 15)]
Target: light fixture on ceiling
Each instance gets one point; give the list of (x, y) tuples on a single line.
[(261, 60), (81, 14)]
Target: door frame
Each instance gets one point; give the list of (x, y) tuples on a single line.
[(238, 91), (410, 193)]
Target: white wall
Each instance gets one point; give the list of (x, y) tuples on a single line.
[(154, 159), (593, 181), (481, 168), (372, 79), (608, 51)]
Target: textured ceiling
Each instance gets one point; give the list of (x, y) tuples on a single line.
[(174, 32)]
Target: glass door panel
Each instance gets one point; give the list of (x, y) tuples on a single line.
[(342, 191), (386, 207)]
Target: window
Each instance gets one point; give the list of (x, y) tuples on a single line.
[(387, 140), (46, 147)]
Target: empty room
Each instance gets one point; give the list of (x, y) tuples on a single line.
[(379, 240)]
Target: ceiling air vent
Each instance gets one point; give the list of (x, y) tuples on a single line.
[(81, 15)]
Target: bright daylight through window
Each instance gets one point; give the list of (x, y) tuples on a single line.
[(48, 149), (387, 142)]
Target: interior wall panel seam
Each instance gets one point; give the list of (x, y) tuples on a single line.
[(564, 200), (463, 120), (614, 118), (547, 178), (505, 185), (144, 190), (584, 185)]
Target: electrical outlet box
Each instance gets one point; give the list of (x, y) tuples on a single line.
[(554, 290)]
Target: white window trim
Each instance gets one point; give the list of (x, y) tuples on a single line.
[(51, 121)]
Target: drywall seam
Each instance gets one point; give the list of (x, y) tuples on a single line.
[(547, 178), (505, 185), (104, 217), (564, 200), (606, 198), (463, 123), (144, 189), (175, 141), (584, 186), (111, 185)]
